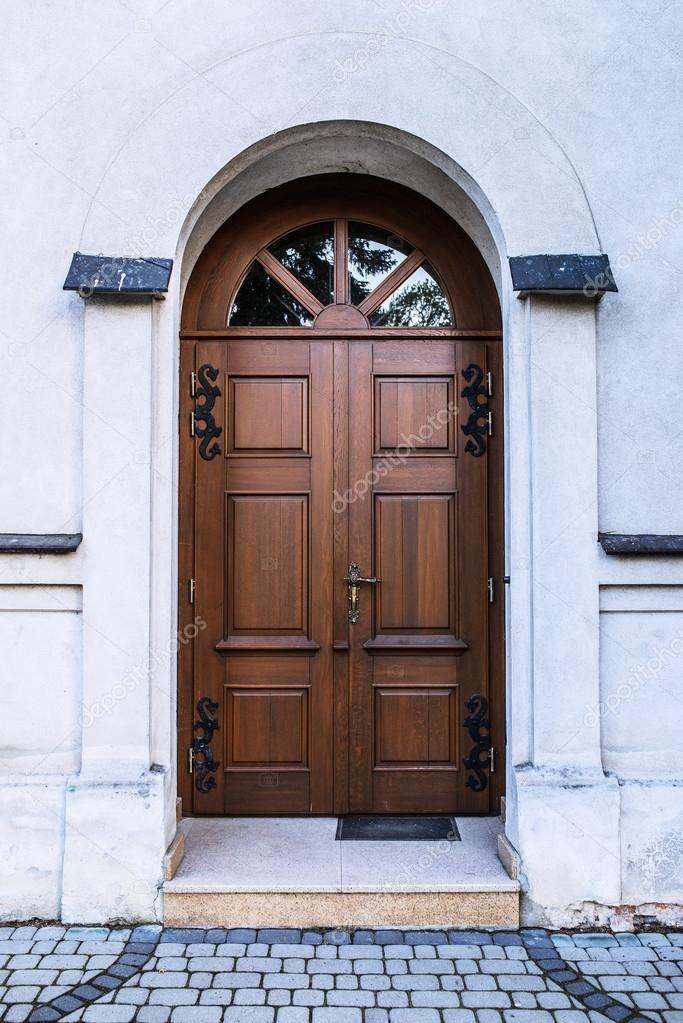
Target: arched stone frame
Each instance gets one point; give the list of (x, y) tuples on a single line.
[(529, 211)]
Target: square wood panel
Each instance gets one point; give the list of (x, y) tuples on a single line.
[(414, 414), (266, 727), (268, 415), (415, 726)]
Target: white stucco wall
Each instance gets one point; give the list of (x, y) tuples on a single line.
[(135, 129)]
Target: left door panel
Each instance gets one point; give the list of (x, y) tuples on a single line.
[(262, 536)]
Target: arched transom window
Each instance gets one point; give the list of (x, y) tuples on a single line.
[(377, 277)]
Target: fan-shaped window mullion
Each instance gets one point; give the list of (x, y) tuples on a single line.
[(289, 282), (392, 282)]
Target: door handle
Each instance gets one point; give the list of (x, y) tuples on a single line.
[(354, 580)]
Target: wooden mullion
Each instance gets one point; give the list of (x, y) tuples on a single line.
[(392, 282), (289, 282), (341, 269)]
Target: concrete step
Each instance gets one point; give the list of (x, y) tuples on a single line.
[(292, 872), (341, 909)]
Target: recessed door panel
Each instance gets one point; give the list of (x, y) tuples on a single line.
[(268, 414), (268, 564), (414, 554)]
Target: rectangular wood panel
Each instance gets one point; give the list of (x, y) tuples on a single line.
[(414, 414), (266, 728), (268, 563), (414, 726), (268, 414), (414, 550)]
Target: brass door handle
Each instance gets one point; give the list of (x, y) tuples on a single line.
[(354, 580)]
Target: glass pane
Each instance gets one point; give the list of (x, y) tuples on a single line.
[(309, 254), (419, 302), (262, 302), (373, 253)]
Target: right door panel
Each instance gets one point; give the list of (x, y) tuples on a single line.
[(418, 523)]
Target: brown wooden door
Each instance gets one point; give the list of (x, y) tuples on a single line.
[(343, 336), (417, 522), (264, 576), (330, 453)]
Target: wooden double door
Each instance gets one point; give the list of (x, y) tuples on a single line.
[(312, 461)]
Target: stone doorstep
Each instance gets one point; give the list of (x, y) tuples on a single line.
[(174, 855), (507, 854), (348, 909)]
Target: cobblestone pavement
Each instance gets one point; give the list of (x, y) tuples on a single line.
[(151, 975)]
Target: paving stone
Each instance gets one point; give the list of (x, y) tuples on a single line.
[(236, 980), (375, 982), (109, 1013), (416, 982), (388, 937), (338, 937), (327, 952), (251, 964), (392, 999), (376, 1016), (293, 951), (360, 952), (308, 997), (249, 1014), (174, 996), (329, 966), (241, 934), (224, 996), (338, 1014), (480, 982), (414, 1016), (292, 1014), (363, 999), (485, 1000), (523, 1000), (183, 934), (279, 997), (311, 938), (249, 996), (286, 980), (231, 950), (154, 1014), (347, 981), (458, 1016), (200, 980), (527, 1016), (434, 999), (197, 1014), (469, 938), (283, 934), (363, 938)]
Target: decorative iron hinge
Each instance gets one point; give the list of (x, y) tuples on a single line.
[(204, 767), (191, 590), (479, 424), (490, 586), (481, 755), (202, 422)]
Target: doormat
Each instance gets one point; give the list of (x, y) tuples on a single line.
[(397, 829)]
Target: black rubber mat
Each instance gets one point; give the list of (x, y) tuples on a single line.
[(397, 829)]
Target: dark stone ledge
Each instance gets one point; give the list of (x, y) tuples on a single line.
[(641, 543), (567, 274), (118, 275), (39, 543)]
